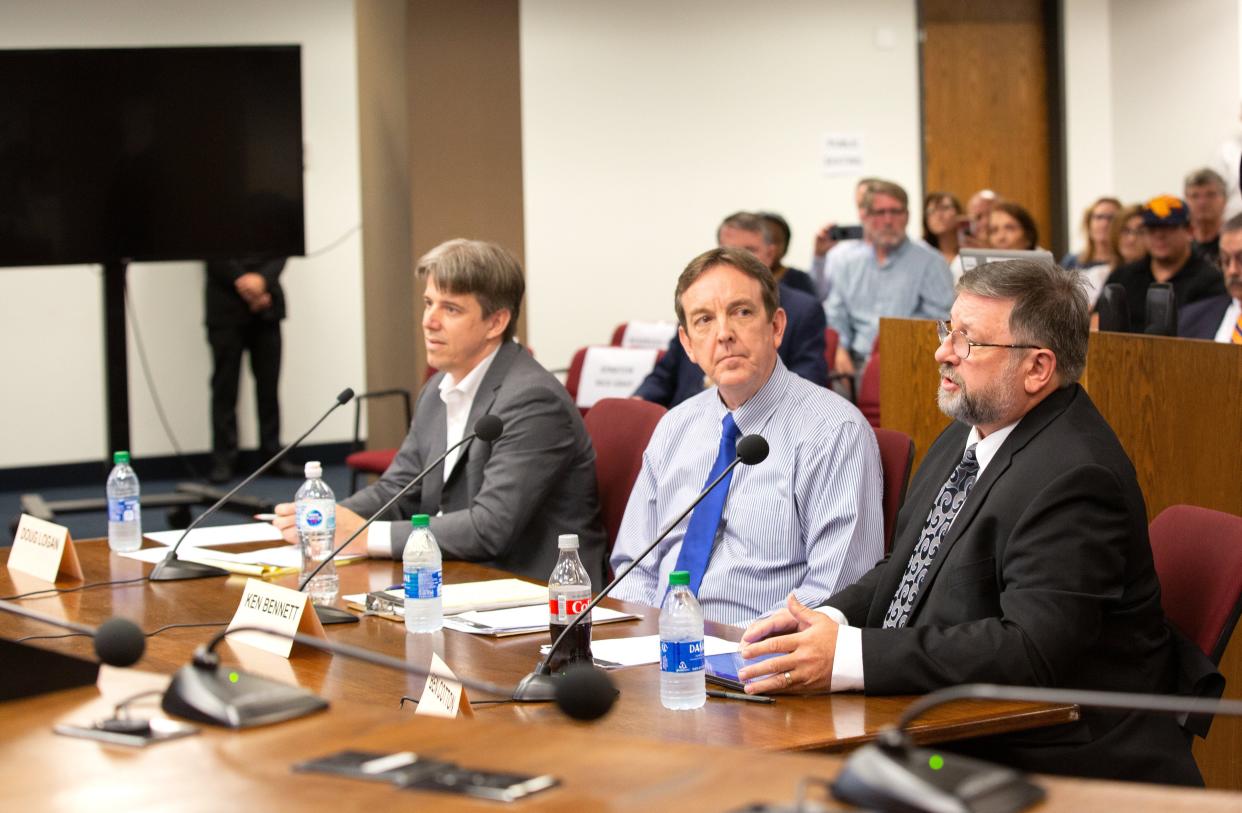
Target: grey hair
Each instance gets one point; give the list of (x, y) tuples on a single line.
[(1049, 307)]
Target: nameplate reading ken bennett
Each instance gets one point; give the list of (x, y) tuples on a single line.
[(44, 551), (443, 695), (277, 608)]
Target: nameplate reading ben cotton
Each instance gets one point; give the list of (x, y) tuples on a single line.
[(44, 550), (277, 608)]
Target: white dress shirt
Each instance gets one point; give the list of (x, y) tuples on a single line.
[(1224, 333), (847, 663), (458, 398)]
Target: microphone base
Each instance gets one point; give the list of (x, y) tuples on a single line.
[(334, 615), (909, 779), (177, 570), (536, 688), (227, 697)]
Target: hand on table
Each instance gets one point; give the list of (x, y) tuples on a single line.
[(347, 523), (806, 642)]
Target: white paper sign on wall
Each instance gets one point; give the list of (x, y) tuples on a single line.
[(841, 154)]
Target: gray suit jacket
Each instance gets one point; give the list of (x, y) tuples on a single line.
[(504, 503)]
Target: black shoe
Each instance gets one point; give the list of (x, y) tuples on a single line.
[(221, 471), (286, 468)]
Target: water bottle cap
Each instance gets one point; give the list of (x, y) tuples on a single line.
[(313, 470), (679, 577), (420, 521), (567, 542), (120, 458)]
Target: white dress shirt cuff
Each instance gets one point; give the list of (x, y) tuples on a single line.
[(847, 662), (379, 540)]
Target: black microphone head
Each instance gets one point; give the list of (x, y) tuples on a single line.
[(346, 396), (752, 449), (488, 428), (585, 693), (119, 642)]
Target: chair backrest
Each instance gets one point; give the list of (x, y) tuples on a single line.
[(574, 376), (1161, 310), (1114, 308), (1198, 556), (619, 430), (832, 340), (618, 334), (869, 389), (896, 459)]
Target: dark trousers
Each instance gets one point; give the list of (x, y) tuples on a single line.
[(262, 340)]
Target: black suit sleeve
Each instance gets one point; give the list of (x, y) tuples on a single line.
[(660, 385), (803, 345), (1061, 569)]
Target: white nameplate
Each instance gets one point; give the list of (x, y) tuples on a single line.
[(44, 550), (277, 608), (613, 372), (649, 335), (443, 696)]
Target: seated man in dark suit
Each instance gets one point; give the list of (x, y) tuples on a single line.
[(677, 378), (1219, 318), (501, 503), (1021, 553), (1169, 259)]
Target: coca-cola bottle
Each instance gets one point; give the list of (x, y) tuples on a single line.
[(569, 592)]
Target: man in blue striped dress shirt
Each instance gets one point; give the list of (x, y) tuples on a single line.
[(807, 519)]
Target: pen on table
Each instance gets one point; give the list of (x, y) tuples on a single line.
[(265, 517), (750, 698)]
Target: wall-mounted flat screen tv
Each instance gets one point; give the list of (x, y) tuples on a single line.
[(150, 154)]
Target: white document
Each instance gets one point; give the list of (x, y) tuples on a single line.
[(613, 372), (220, 535), (516, 620), (646, 649), (494, 594), (285, 556)]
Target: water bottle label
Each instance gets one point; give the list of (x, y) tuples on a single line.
[(423, 582), (681, 656), (122, 509), (316, 515), (562, 609)]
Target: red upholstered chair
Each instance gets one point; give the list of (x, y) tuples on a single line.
[(372, 461), (869, 389), (619, 430), (1198, 556), (618, 334), (896, 459)]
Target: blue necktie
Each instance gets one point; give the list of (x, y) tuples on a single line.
[(696, 547)]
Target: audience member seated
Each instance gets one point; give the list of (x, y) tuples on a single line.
[(884, 274), (1011, 227), (1095, 260), (1205, 197), (824, 242), (676, 378), (1128, 236), (942, 217), (1169, 259), (785, 275), (807, 519), (1021, 553), (501, 503), (978, 213), (1219, 318)]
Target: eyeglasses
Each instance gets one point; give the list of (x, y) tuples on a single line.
[(886, 212), (963, 345)]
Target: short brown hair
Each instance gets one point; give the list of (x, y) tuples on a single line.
[(1049, 307), (743, 261), (747, 221), (1019, 213), (1204, 177), (878, 187), (485, 270)]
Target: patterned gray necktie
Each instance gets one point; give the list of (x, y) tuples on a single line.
[(948, 502)]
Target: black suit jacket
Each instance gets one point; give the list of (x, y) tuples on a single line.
[(226, 308), (1044, 579), (1201, 320), (676, 378)]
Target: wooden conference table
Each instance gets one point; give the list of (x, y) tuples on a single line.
[(827, 723)]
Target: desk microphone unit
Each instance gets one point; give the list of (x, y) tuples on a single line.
[(487, 428), (541, 685), (174, 569)]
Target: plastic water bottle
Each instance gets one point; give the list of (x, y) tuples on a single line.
[(569, 592), (422, 571), (682, 684), (315, 509), (124, 510)]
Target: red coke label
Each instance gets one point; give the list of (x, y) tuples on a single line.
[(563, 608)]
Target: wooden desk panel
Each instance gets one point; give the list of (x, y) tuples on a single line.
[(836, 722), (598, 769)]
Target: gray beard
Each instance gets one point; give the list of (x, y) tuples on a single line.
[(973, 409)]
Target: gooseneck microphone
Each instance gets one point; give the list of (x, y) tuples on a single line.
[(205, 692), (892, 774), (174, 569), (487, 428), (541, 685)]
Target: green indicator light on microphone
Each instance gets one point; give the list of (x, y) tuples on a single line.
[(234, 677), (936, 762)]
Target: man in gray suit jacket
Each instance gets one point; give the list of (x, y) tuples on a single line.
[(501, 503)]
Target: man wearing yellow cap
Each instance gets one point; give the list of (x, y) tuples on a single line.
[(1170, 259)]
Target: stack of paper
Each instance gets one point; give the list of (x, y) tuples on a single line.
[(615, 652), (520, 620), (494, 594)]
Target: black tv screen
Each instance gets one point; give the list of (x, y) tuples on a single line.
[(150, 154)]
